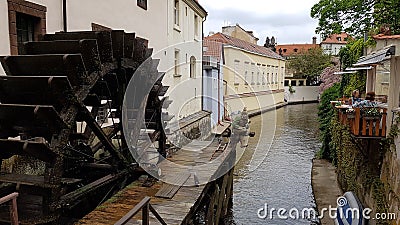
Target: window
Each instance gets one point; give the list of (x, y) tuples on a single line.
[(177, 72), (268, 72), (196, 26), (276, 75), (142, 4), (246, 72), (176, 12), (25, 30), (301, 82), (295, 50), (192, 67), (263, 74), (293, 83), (27, 21), (253, 68), (237, 72), (286, 83), (258, 73)]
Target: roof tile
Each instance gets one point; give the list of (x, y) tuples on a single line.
[(235, 42)]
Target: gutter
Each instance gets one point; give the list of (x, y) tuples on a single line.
[(64, 12)]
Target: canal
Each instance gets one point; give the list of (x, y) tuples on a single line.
[(275, 170)]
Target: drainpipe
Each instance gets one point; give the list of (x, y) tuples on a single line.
[(202, 66), (64, 12)]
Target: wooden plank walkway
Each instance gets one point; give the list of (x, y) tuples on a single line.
[(194, 160)]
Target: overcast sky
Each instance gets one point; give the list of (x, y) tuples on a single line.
[(288, 20)]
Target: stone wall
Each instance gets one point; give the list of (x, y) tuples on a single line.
[(360, 163), (197, 126)]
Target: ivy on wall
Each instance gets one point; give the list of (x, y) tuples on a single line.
[(355, 170)]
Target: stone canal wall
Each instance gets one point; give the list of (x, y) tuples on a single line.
[(370, 168)]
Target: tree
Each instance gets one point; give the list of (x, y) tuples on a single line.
[(348, 56), (309, 64), (356, 17)]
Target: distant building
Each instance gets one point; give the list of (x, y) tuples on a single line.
[(289, 51), (238, 32), (213, 80), (297, 88), (334, 43), (253, 74)]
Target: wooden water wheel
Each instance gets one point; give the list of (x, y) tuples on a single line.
[(61, 132)]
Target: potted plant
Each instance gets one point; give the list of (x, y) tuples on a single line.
[(350, 113), (371, 113)]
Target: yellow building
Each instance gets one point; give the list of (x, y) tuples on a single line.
[(253, 74)]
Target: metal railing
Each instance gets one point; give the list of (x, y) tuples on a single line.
[(146, 208), (13, 206)]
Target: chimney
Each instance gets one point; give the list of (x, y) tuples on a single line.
[(314, 40), (211, 33)]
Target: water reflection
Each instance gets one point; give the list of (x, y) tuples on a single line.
[(283, 179)]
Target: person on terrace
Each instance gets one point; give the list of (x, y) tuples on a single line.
[(368, 102), (355, 97)]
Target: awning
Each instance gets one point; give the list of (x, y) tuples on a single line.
[(376, 57), (358, 68), (344, 72)]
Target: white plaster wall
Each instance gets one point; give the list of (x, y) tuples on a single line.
[(302, 93), (254, 103), (121, 14)]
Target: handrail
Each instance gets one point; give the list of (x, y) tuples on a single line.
[(364, 126), (146, 207), (13, 207)]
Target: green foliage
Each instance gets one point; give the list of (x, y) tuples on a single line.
[(353, 16), (309, 64), (291, 89), (326, 113), (357, 172), (348, 56), (356, 17)]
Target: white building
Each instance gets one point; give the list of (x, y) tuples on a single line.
[(334, 43), (173, 28)]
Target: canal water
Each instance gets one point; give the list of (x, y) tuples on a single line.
[(279, 175)]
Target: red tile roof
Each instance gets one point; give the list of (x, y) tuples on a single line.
[(213, 49), (289, 50), (383, 36), (228, 40), (334, 39)]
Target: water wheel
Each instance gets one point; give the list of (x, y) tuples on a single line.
[(61, 133)]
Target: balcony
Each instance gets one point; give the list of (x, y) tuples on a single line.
[(210, 62), (364, 122)]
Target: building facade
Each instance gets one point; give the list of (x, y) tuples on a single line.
[(334, 43), (253, 75), (173, 28), (213, 81)]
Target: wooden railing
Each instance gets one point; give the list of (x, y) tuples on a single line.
[(364, 126), (146, 208), (13, 206)]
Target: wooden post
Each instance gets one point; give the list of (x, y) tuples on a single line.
[(384, 116), (377, 128), (371, 127), (221, 199), (364, 126), (14, 211), (13, 206), (357, 122), (210, 208), (394, 91), (145, 214)]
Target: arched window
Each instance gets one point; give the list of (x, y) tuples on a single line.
[(192, 67)]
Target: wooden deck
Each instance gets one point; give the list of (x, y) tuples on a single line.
[(194, 160)]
